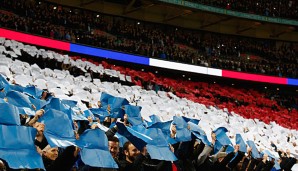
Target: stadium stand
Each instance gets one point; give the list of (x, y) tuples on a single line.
[(268, 57), (282, 9), (81, 95), (61, 110)]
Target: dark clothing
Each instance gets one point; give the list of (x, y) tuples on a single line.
[(64, 161), (41, 144), (111, 132), (233, 163), (221, 166), (157, 165), (287, 163), (267, 166), (245, 163), (260, 166), (89, 168), (253, 164), (124, 165)]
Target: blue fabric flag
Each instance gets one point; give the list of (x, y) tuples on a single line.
[(2, 86), (122, 139), (134, 114), (88, 113), (99, 112), (116, 104), (17, 147), (70, 103), (9, 114), (241, 142), (221, 136), (33, 92), (161, 153), (25, 110), (138, 128), (217, 146), (95, 151), (137, 139), (39, 104), (195, 121), (157, 145), (9, 87), (2, 94), (165, 128), (2, 100), (182, 133), (186, 119), (195, 128), (154, 119), (230, 149), (18, 99), (3, 79), (13, 87), (77, 116), (58, 128), (203, 138), (55, 103), (255, 153), (269, 154), (104, 98)]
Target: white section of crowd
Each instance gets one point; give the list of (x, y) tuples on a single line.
[(163, 104)]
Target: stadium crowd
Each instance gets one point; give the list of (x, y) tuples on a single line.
[(281, 9), (77, 147), (268, 57)]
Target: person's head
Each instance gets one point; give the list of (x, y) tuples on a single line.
[(114, 146), (2, 166), (39, 126), (213, 136), (288, 152), (44, 95), (50, 153), (265, 157), (130, 151)]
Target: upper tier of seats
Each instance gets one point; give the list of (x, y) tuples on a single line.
[(280, 9), (229, 52)]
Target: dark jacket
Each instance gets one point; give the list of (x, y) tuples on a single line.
[(64, 161), (135, 166)]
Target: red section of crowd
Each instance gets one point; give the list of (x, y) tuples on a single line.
[(248, 103)]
